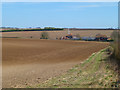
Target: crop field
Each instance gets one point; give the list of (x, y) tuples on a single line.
[(56, 34), (27, 62)]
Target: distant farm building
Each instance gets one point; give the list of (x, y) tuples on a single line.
[(100, 37), (75, 37), (88, 38), (69, 36)]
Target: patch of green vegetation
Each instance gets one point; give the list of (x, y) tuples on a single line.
[(88, 60), (28, 87)]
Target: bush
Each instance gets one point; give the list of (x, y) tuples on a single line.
[(78, 36), (44, 35), (116, 43)]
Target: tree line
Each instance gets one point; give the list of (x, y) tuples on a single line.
[(45, 29)]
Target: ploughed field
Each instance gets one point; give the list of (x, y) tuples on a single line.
[(28, 62)]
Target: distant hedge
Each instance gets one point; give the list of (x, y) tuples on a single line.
[(45, 29)]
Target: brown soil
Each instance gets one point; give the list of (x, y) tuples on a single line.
[(28, 62)]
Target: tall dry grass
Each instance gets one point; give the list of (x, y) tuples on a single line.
[(116, 43)]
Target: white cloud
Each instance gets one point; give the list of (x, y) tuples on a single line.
[(75, 7), (84, 6), (60, 0)]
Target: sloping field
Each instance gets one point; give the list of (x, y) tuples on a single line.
[(28, 62), (98, 71), (54, 34)]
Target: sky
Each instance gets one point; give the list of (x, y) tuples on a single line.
[(60, 14), (60, 0)]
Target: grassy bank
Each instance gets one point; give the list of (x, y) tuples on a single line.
[(95, 72)]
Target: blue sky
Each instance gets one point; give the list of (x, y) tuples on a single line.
[(60, 14)]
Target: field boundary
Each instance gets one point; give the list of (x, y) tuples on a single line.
[(94, 72)]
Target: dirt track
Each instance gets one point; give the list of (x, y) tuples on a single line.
[(31, 61)]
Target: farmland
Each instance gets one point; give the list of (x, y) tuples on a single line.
[(56, 34), (28, 62)]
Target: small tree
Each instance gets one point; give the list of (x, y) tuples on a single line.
[(116, 44), (78, 36), (31, 37), (44, 35)]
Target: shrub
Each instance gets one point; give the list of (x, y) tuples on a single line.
[(78, 36), (44, 35), (116, 43)]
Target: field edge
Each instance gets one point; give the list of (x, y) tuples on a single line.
[(94, 72)]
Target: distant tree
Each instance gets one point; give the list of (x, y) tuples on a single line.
[(49, 28), (38, 27), (31, 37), (44, 35), (3, 27), (78, 36)]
